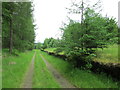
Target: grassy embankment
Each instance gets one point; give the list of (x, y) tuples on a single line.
[(14, 68), (42, 77), (80, 78), (106, 55)]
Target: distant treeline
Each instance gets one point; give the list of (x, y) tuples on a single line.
[(17, 26)]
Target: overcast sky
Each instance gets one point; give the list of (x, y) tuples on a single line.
[(49, 15)]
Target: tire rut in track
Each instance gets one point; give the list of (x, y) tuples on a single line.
[(59, 78), (27, 83)]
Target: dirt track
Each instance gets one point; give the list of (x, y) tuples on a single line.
[(27, 80)]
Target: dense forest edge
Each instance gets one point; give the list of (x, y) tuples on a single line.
[(18, 36), (17, 26), (90, 47)]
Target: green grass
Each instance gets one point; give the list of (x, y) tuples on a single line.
[(42, 77), (14, 68), (53, 50), (50, 49), (80, 78), (108, 55)]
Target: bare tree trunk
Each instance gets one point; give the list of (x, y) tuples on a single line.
[(11, 30), (82, 21), (82, 13), (11, 34)]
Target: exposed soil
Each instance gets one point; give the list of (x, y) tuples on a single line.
[(59, 78), (27, 83)]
